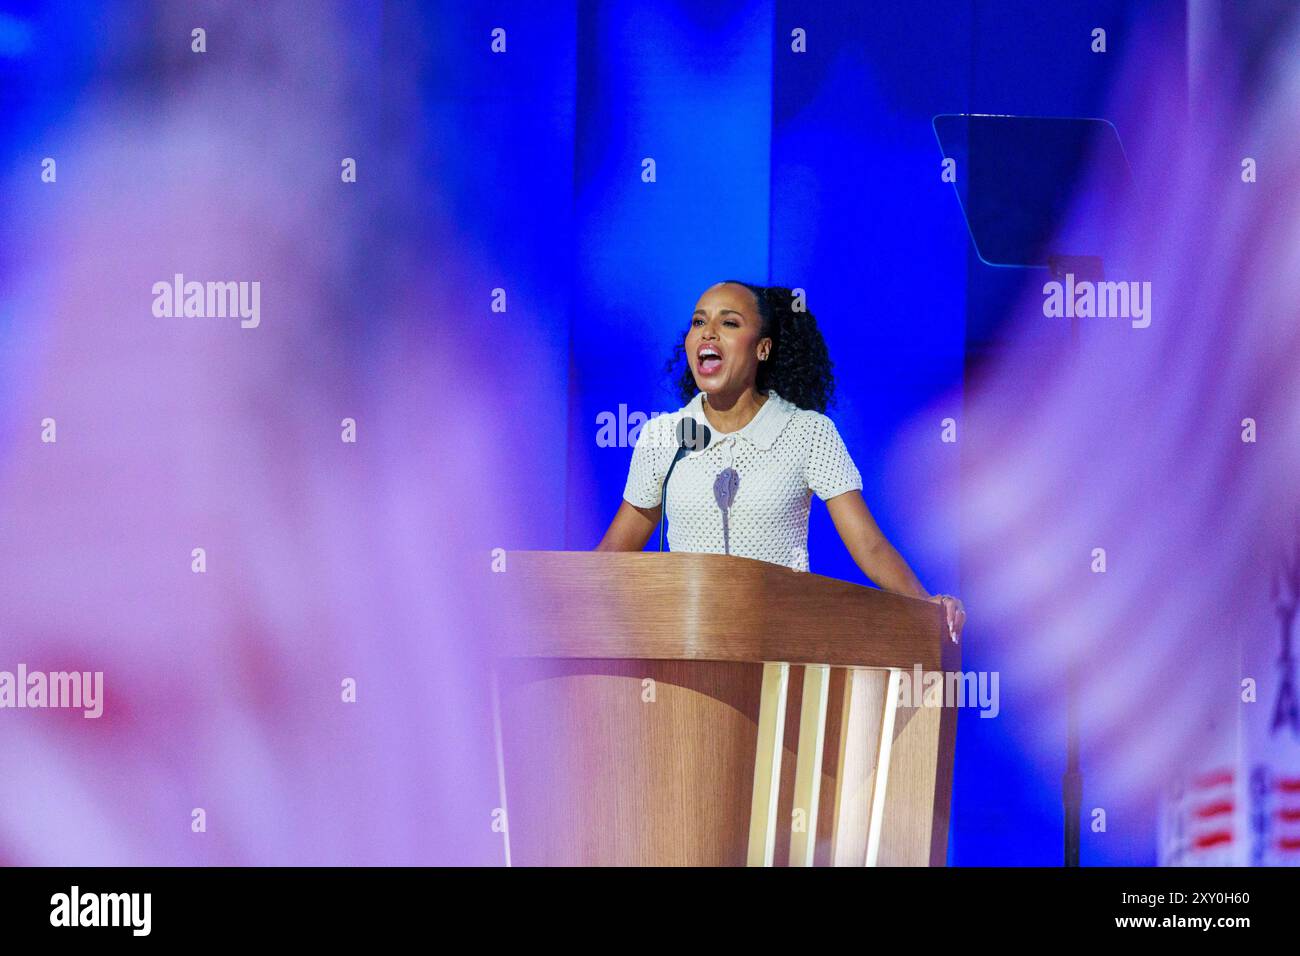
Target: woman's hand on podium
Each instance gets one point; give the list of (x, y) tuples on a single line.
[(955, 612)]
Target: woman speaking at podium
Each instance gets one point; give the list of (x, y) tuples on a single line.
[(761, 377)]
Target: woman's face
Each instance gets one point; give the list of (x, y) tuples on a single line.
[(723, 346)]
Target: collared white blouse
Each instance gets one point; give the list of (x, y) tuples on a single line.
[(749, 492)]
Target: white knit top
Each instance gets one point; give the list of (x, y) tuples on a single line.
[(749, 492)]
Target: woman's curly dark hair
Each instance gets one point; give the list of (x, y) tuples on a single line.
[(799, 365)]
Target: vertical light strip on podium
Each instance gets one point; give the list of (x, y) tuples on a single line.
[(882, 763), (808, 764), (767, 765)]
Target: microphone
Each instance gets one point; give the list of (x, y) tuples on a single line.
[(692, 435)]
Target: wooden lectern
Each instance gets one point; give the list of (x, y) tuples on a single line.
[(703, 709)]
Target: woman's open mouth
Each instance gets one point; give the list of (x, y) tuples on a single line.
[(708, 359)]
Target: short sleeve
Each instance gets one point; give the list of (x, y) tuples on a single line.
[(645, 475), (830, 468)]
